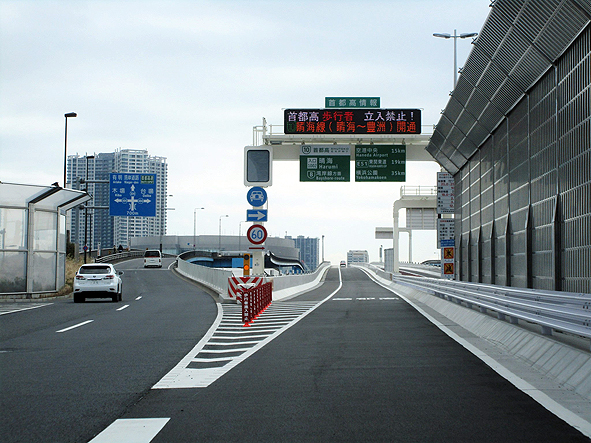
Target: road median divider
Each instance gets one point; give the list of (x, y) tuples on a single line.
[(254, 301)]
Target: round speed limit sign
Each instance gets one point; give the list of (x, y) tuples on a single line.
[(256, 234)]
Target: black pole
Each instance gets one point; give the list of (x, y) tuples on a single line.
[(65, 151)]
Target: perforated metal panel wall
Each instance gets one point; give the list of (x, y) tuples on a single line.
[(523, 199), (573, 93)]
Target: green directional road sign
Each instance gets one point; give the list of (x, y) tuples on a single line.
[(352, 102), (325, 163), (380, 163)]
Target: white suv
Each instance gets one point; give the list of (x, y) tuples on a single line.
[(98, 280), (152, 257)]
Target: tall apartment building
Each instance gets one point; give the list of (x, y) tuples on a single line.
[(99, 228), (308, 250)]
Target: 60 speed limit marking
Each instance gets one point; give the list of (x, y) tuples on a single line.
[(257, 234)]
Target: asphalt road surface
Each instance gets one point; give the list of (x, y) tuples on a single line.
[(349, 361), (68, 386)]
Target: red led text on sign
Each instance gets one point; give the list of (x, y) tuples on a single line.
[(352, 121)]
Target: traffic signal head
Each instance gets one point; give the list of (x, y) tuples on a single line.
[(246, 265), (258, 166)]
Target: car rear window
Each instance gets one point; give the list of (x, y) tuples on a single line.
[(152, 254), (95, 270)]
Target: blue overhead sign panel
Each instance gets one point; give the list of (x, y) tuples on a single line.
[(132, 195)]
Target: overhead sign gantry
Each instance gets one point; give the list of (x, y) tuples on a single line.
[(325, 140)]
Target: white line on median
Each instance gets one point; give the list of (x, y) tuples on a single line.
[(26, 309), (131, 430), (76, 326)]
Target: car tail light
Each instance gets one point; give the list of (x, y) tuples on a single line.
[(79, 277), (109, 277)]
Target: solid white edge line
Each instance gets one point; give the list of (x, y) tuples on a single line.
[(131, 430), (75, 326), (174, 372), (26, 309), (550, 404)]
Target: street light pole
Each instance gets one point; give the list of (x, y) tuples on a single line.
[(220, 233), (195, 226), (456, 37), (69, 114), (240, 235), (163, 210)]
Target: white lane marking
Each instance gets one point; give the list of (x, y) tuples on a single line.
[(24, 309), (131, 430), (364, 298), (137, 298), (546, 401), (182, 376), (75, 326), (123, 307)]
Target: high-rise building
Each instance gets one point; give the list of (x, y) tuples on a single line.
[(308, 250), (99, 229)]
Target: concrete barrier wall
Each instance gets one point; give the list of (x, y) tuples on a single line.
[(216, 279), (286, 286), (283, 286)]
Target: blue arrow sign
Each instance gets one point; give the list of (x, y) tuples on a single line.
[(256, 196), (256, 215), (132, 195)]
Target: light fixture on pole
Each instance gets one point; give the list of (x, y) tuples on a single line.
[(456, 37), (195, 226), (220, 234), (69, 114)]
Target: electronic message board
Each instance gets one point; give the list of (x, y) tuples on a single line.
[(352, 121)]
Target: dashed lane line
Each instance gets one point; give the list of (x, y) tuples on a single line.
[(75, 326)]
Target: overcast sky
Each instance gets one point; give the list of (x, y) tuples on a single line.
[(188, 80)]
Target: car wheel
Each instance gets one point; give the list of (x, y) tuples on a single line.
[(78, 298)]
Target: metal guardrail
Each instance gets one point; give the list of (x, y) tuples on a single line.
[(124, 256), (567, 312), (551, 310), (119, 256)]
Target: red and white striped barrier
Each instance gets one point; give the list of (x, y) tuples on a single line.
[(236, 285)]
